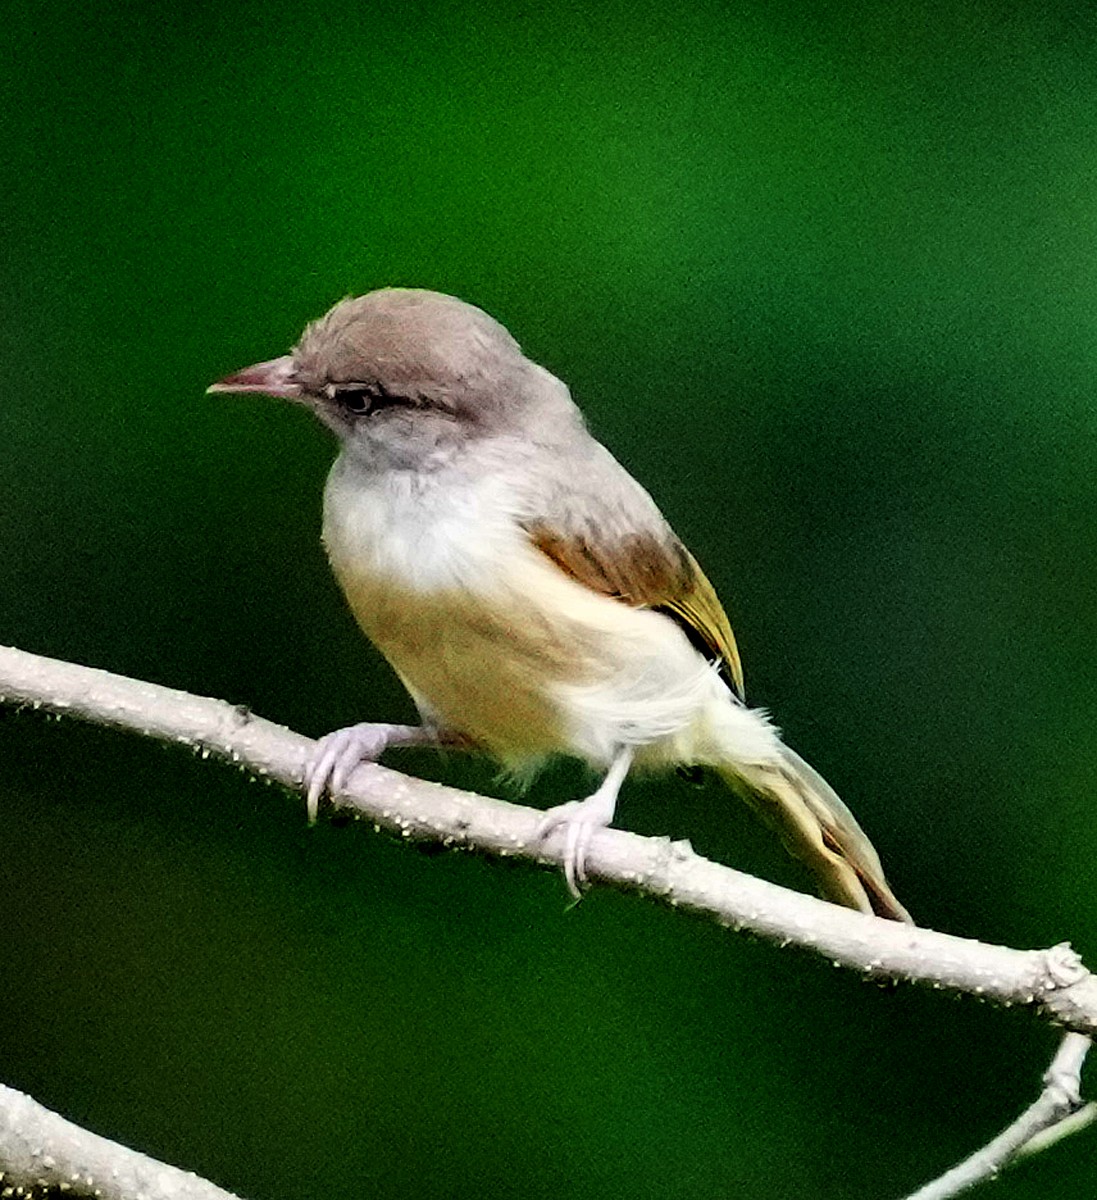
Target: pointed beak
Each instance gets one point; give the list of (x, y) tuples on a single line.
[(273, 378)]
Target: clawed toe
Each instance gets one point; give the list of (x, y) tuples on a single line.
[(580, 819), (336, 755), (578, 835)]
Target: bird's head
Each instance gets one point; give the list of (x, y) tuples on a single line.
[(406, 377)]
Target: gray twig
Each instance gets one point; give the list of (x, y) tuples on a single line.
[(39, 1150), (1057, 1112), (1052, 982)]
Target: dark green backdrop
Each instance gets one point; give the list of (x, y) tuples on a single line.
[(825, 278)]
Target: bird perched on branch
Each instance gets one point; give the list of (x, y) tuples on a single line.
[(525, 588)]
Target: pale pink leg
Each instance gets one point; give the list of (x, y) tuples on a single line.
[(582, 817)]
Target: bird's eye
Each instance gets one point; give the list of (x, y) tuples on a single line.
[(355, 399), (361, 399)]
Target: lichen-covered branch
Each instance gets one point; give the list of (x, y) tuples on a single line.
[(40, 1150), (1053, 982)]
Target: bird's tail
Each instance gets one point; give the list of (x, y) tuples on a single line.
[(816, 827)]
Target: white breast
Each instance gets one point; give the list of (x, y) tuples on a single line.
[(422, 532)]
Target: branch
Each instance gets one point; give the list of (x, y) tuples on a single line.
[(39, 1149), (1057, 1112), (1054, 982)]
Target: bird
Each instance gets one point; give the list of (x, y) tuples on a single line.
[(525, 588)]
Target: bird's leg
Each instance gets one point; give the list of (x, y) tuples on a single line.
[(582, 817), (336, 755)]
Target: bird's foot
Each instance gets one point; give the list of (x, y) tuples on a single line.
[(337, 754), (581, 818)]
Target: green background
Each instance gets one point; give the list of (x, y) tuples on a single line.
[(825, 279)]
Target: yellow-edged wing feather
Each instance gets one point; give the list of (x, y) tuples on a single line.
[(698, 609), (647, 571)]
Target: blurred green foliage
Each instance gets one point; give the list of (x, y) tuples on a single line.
[(824, 277)]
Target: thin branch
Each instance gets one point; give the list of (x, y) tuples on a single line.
[(1057, 1112), (39, 1149), (1071, 1124), (1053, 982)]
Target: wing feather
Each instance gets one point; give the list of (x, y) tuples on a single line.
[(648, 571), (599, 526)]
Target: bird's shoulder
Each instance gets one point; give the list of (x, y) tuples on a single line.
[(599, 526)]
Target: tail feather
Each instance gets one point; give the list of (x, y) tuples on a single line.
[(819, 829)]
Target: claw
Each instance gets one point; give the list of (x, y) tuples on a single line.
[(337, 755), (581, 818)]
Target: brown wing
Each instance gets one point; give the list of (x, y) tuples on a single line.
[(650, 572)]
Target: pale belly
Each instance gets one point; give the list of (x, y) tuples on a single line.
[(474, 668)]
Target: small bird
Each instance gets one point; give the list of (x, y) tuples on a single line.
[(524, 587)]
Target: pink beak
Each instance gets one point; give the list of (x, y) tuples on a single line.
[(273, 378)]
